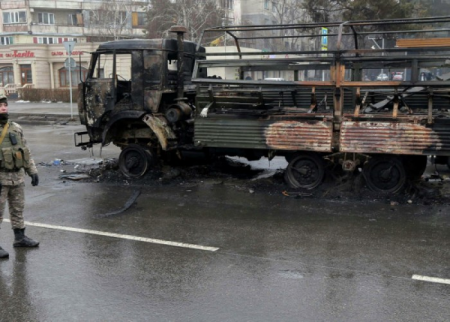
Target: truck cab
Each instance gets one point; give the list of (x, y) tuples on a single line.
[(137, 93)]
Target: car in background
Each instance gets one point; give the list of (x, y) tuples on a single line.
[(397, 76), (277, 79), (382, 77)]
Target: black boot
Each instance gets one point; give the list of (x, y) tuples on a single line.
[(3, 253), (21, 240)]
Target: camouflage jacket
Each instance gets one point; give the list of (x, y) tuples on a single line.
[(16, 177)]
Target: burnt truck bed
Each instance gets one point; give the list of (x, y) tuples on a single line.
[(291, 119), (327, 105), (405, 136), (276, 132)]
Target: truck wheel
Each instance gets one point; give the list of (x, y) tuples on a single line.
[(385, 174), (135, 161), (305, 171)]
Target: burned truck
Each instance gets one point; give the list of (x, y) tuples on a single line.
[(349, 105), (138, 95)]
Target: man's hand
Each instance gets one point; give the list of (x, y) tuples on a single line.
[(34, 179)]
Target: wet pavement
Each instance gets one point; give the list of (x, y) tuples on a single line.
[(43, 108), (267, 256)]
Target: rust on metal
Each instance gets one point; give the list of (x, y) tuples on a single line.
[(393, 138), (371, 84), (430, 107), (299, 135), (422, 42), (177, 29), (395, 107), (314, 83), (162, 130), (311, 135), (358, 102)]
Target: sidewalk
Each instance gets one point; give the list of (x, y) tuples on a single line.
[(42, 113)]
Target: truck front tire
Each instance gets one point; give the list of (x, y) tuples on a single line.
[(135, 161)]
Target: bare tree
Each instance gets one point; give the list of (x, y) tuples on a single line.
[(289, 12), (195, 15), (111, 20)]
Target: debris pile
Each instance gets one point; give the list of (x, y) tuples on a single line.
[(430, 189)]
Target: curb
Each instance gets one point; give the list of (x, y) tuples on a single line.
[(43, 119)]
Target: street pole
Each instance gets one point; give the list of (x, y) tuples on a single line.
[(69, 45), (382, 54), (70, 84)]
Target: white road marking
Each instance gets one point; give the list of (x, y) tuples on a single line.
[(431, 279), (129, 237)]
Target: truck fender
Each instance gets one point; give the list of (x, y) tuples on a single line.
[(120, 116), (163, 132)]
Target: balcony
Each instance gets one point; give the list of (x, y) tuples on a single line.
[(64, 29), (9, 4), (77, 4), (56, 29), (16, 27), (57, 4)]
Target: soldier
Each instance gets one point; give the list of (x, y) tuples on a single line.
[(15, 159)]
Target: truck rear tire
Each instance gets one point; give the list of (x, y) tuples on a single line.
[(305, 170), (135, 161), (385, 174)]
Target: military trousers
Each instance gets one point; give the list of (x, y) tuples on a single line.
[(15, 196)]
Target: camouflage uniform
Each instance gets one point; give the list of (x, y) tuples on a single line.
[(15, 160), (13, 182)]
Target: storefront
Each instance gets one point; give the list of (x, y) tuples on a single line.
[(42, 66)]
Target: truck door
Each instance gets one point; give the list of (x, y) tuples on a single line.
[(108, 81), (99, 87)]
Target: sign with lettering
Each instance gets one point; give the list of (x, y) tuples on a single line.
[(20, 54), (65, 53)]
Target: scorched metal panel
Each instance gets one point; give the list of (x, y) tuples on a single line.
[(395, 138), (292, 135)]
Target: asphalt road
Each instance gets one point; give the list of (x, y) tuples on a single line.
[(214, 252)]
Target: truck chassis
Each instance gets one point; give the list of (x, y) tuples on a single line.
[(385, 128)]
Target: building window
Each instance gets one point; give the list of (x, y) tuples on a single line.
[(14, 17), (266, 4), (64, 79), (96, 18), (75, 19), (47, 40), (139, 19), (51, 40), (274, 7), (72, 19), (25, 74), (46, 18), (6, 40), (227, 4), (6, 76)]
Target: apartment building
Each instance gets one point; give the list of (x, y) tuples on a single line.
[(32, 33), (269, 12)]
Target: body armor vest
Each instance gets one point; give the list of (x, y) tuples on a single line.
[(14, 154)]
